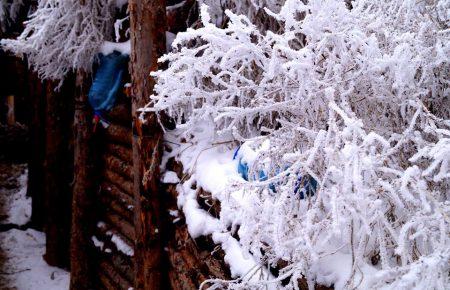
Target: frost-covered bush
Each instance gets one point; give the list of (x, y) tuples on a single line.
[(253, 9), (9, 10), (356, 98), (62, 35)]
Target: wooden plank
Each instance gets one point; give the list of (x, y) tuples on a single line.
[(117, 193), (121, 114), (117, 207), (82, 201), (122, 152), (36, 183), (148, 43), (10, 114), (58, 170), (116, 278), (119, 134), (123, 227), (118, 166), (119, 181)]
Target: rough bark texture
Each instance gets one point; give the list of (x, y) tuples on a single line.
[(148, 26), (82, 210), (36, 187), (58, 172)]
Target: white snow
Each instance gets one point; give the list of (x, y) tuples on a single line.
[(241, 263), (170, 37), (18, 204), (24, 265), (170, 177), (360, 104), (121, 3), (212, 168), (109, 47), (121, 245), (99, 244)]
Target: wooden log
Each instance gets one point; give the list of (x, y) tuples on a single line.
[(118, 166), (10, 114), (174, 280), (58, 171), (121, 114), (119, 134), (215, 268), (119, 281), (121, 226), (123, 264), (187, 250), (125, 198), (105, 281), (104, 233), (199, 255), (117, 207), (119, 181), (180, 268), (123, 153), (148, 43), (82, 203), (36, 183), (194, 268)]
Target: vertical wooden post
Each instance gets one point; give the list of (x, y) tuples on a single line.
[(10, 114), (148, 26), (58, 172), (82, 198), (36, 128)]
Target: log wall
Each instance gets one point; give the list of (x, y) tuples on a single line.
[(114, 203), (186, 262)]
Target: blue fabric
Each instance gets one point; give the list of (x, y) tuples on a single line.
[(107, 81), (304, 186)]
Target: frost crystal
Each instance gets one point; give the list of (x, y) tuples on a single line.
[(353, 94)]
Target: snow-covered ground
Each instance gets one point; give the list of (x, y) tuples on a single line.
[(21, 264), (23, 267), (16, 206)]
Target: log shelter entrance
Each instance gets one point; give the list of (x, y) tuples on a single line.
[(97, 195), (123, 236)]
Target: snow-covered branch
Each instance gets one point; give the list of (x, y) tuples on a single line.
[(356, 98), (63, 35)]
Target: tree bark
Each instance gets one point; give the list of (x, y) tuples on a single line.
[(58, 172), (148, 26), (82, 201), (36, 187)]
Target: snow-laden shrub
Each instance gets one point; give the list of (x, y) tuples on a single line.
[(356, 98), (62, 35), (253, 9), (9, 10)]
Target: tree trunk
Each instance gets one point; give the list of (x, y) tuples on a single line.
[(148, 26), (83, 191), (36, 129), (58, 173)]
